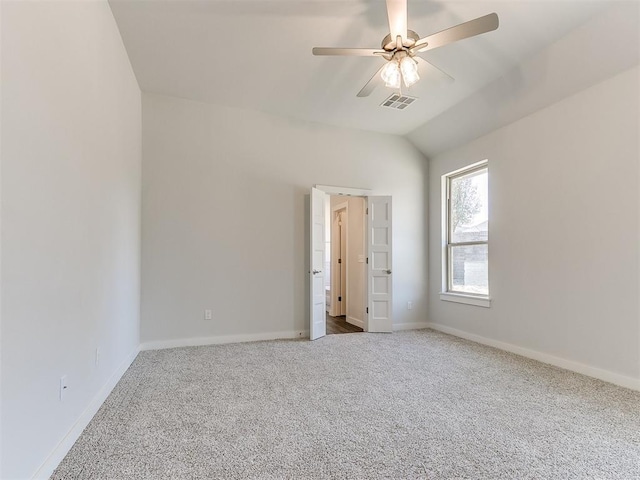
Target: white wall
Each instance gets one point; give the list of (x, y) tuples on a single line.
[(1, 425), (564, 223), (225, 222), (70, 194)]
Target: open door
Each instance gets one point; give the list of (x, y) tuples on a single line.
[(317, 321), (380, 303)]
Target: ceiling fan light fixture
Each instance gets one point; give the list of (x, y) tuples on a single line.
[(401, 45), (391, 74), (409, 69)]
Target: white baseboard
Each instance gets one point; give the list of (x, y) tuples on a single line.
[(61, 450), (600, 374), (222, 339), (410, 326), (355, 321)]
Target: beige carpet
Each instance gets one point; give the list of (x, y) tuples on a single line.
[(357, 406)]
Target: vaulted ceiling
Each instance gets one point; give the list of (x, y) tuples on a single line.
[(256, 54)]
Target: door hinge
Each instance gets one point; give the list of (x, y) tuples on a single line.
[(339, 299), (339, 260), (367, 211), (367, 260), (367, 310)]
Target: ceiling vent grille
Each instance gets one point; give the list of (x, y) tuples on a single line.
[(399, 102)]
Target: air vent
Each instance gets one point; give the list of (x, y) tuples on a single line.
[(399, 102)]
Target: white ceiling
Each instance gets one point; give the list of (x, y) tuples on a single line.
[(256, 54)]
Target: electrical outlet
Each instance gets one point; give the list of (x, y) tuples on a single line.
[(63, 387), (97, 356), (409, 305), (208, 315)]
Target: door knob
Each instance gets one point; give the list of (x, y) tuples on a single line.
[(317, 271), (389, 272)]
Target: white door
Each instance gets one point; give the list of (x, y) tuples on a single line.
[(380, 302), (318, 325)]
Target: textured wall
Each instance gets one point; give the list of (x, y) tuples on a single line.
[(564, 220), (71, 161), (225, 221)]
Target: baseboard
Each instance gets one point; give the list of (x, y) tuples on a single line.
[(410, 326), (355, 321), (61, 450), (222, 339), (600, 374)]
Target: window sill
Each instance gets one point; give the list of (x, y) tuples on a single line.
[(466, 299)]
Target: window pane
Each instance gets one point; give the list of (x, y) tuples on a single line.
[(469, 207), (469, 269)]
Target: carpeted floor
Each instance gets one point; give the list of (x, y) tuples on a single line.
[(415, 404)]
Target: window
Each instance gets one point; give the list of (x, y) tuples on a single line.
[(466, 235)]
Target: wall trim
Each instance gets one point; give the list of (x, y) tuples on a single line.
[(63, 447), (222, 339), (336, 190), (476, 300), (599, 373), (410, 326), (355, 321)]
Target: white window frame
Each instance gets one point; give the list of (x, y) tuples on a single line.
[(446, 294)]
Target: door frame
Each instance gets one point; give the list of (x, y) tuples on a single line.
[(353, 192)]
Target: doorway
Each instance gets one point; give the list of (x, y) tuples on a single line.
[(345, 267), (376, 298)]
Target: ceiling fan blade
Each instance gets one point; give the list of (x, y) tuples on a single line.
[(371, 85), (427, 69), (397, 13), (359, 52), (468, 29)]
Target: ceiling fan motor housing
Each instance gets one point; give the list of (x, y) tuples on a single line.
[(389, 44)]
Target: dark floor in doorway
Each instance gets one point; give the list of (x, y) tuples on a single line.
[(340, 325)]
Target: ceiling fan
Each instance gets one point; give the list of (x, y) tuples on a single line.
[(401, 46)]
